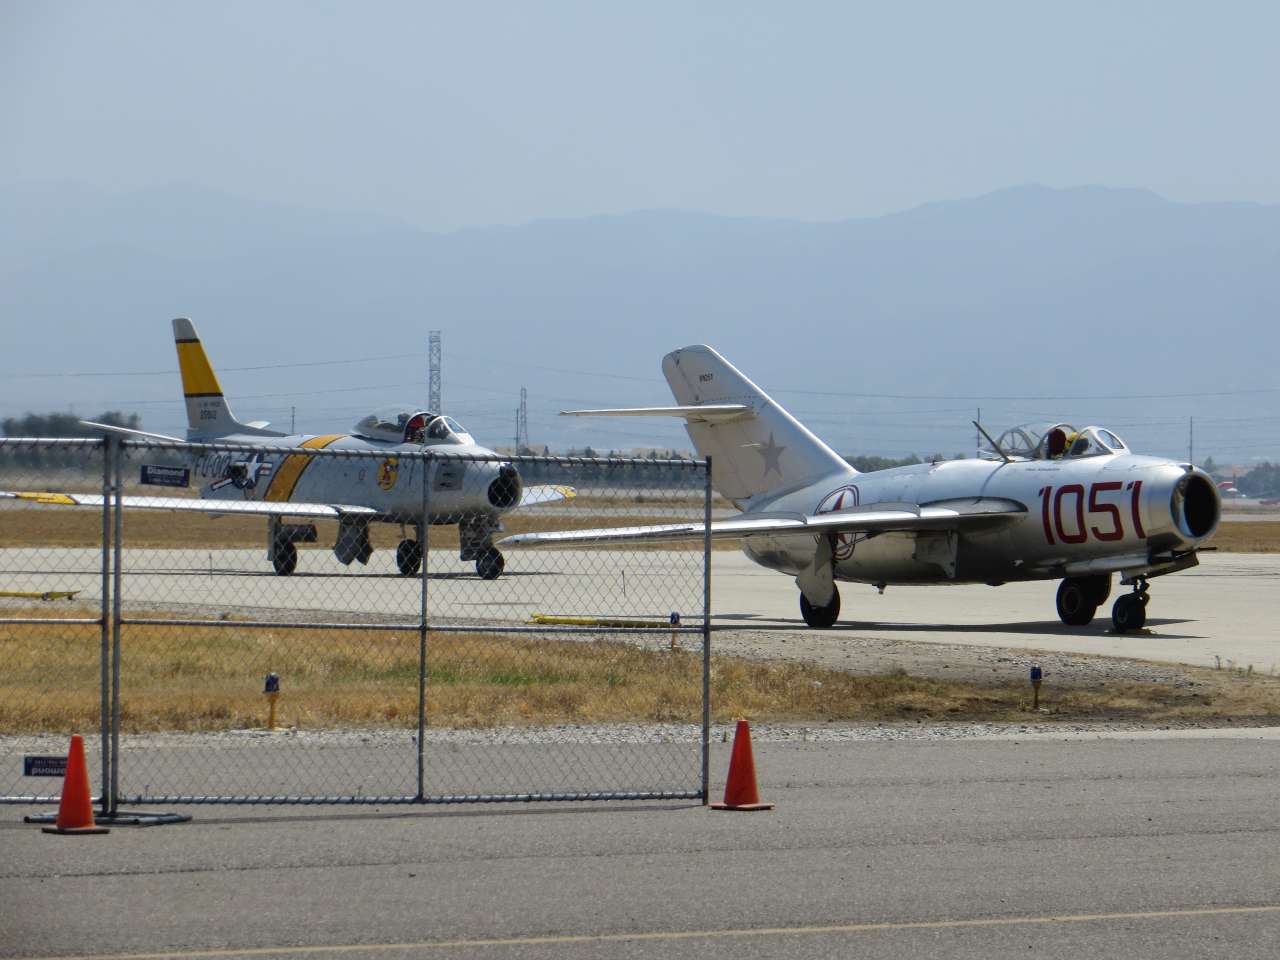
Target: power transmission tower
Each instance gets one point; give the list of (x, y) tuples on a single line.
[(522, 421), (433, 381)]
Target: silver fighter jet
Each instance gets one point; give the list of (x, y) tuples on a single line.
[(1046, 503), (472, 493)]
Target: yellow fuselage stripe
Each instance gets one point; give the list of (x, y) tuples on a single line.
[(285, 479), (198, 378)]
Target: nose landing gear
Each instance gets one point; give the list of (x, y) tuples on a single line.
[(1130, 610)]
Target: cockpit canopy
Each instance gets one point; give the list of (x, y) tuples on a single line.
[(410, 425), (1056, 441)]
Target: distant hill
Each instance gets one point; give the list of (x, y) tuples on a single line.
[(1026, 291)]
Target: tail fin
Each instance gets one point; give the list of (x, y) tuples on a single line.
[(760, 451), (208, 415)]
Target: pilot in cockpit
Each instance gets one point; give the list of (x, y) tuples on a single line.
[(1055, 443), (413, 430)]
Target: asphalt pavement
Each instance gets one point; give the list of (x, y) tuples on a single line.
[(1157, 845)]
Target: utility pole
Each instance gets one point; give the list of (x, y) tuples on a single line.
[(522, 420), (433, 375)]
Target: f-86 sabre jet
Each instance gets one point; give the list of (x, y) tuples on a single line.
[(468, 484), (1045, 503)]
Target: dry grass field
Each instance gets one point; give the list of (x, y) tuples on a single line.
[(71, 527), (74, 527), (1262, 536), (210, 678)]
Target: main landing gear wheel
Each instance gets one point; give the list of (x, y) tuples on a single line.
[(408, 557), (284, 558), (490, 564), (820, 618), (1129, 612), (1080, 597)]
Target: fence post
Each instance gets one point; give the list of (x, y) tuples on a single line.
[(424, 542), (706, 634), (104, 714), (117, 449)]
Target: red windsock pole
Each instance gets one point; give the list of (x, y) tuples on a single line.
[(740, 788)]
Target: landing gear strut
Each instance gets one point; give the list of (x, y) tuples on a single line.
[(1080, 597), (281, 538), (1130, 610), (476, 536), (820, 618)]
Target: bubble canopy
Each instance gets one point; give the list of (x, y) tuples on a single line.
[(410, 425), (1053, 441)]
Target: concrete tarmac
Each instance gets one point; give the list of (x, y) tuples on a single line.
[(1046, 846), (1222, 612)]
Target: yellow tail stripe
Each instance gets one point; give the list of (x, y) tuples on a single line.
[(285, 479), (198, 378)]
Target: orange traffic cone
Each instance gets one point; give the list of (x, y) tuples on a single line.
[(740, 788), (75, 811)]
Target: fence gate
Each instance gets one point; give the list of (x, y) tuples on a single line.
[(242, 658), (54, 613)]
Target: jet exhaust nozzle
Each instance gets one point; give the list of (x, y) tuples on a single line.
[(504, 492)]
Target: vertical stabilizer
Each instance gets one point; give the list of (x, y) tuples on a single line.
[(764, 451), (208, 415)]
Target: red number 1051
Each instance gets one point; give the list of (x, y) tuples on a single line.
[(1105, 520)]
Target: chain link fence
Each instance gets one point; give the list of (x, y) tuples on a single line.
[(415, 656), (54, 613)]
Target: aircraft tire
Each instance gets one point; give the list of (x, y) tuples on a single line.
[(820, 618), (284, 558), (1097, 588), (1075, 602), (490, 564), (1129, 613), (408, 557)]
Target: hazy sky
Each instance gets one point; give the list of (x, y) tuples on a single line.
[(451, 114)]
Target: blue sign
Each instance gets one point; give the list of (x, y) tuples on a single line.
[(158, 476), (35, 766), (1036, 675)]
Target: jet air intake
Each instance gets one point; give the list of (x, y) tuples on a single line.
[(504, 492), (1195, 506)]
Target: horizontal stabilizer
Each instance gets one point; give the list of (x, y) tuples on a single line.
[(708, 412), (126, 432), (898, 517)]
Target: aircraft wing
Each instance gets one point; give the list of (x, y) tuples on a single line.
[(953, 515), (546, 493), (195, 505)]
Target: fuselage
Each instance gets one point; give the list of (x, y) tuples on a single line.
[(1095, 514), (466, 479)]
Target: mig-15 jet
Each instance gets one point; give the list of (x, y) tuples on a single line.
[(1045, 503), (468, 484)]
